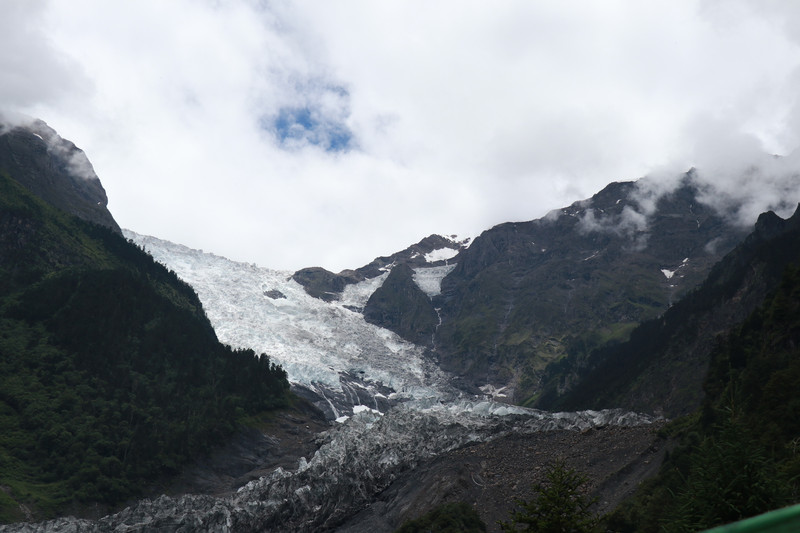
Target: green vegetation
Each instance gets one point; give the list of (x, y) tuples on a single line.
[(558, 506), (661, 367), (739, 454), (447, 518), (111, 376)]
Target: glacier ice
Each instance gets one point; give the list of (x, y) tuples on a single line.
[(325, 347), (355, 461), (429, 279)]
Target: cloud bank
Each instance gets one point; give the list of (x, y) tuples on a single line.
[(303, 133)]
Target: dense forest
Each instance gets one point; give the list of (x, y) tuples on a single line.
[(739, 454), (111, 375)]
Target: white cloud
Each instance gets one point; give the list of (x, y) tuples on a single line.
[(457, 116), (33, 70)]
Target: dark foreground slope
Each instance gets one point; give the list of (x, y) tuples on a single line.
[(739, 455), (662, 367), (110, 374), (491, 475)]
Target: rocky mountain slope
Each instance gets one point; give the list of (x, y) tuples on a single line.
[(111, 375), (524, 295), (662, 367), (527, 294), (53, 169)]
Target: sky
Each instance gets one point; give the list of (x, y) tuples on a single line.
[(315, 133)]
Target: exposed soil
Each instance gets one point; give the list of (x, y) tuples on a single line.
[(491, 475)]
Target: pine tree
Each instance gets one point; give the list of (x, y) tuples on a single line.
[(558, 506)]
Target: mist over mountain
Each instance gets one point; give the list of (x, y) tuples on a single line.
[(53, 169), (663, 366), (424, 362), (111, 376)]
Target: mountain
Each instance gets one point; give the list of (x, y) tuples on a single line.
[(432, 251), (54, 170), (111, 376), (736, 456), (526, 294), (492, 315), (662, 367)]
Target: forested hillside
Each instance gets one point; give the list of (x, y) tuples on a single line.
[(527, 294), (739, 454), (662, 367), (110, 374)]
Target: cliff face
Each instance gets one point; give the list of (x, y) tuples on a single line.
[(526, 294), (55, 170), (662, 367)]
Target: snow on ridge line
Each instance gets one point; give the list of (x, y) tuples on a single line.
[(441, 254)]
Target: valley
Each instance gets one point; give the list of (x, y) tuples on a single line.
[(209, 394)]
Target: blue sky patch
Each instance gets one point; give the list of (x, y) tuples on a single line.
[(300, 125)]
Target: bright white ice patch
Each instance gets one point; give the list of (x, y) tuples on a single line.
[(357, 294), (364, 409), (670, 273), (442, 254), (429, 279)]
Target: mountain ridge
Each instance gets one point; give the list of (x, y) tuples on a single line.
[(55, 170), (667, 358), (111, 375)]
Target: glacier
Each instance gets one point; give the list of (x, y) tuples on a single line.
[(355, 461), (326, 348)]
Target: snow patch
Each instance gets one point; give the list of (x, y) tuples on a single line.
[(493, 392), (429, 279), (670, 273), (442, 254), (357, 294)]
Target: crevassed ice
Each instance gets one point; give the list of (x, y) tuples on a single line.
[(357, 294), (314, 341)]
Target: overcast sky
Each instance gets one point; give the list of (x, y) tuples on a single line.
[(304, 133)]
